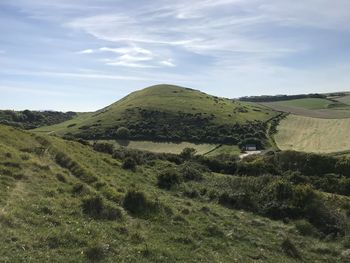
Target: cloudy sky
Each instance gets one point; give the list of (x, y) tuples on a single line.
[(84, 54)]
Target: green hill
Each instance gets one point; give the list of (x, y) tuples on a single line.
[(62, 201), (172, 113)]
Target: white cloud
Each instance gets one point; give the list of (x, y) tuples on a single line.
[(168, 63), (86, 51)]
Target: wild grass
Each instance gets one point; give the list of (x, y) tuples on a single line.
[(44, 217)]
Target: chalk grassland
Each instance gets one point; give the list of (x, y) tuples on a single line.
[(313, 134), (312, 107), (41, 216)]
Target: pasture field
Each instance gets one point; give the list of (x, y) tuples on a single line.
[(313, 134), (225, 149), (308, 103), (163, 147)]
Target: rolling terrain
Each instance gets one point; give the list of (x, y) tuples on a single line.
[(171, 113), (62, 201)]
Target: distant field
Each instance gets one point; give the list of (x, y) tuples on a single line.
[(308, 103), (313, 107), (345, 99), (313, 134), (164, 147)]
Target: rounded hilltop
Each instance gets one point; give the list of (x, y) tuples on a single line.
[(172, 113)]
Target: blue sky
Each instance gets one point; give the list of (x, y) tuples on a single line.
[(82, 55)]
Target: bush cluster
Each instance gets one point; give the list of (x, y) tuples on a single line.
[(97, 208), (137, 203)]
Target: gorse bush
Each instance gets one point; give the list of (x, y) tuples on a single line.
[(129, 164), (95, 252), (169, 178), (97, 208), (104, 147), (136, 203), (190, 172), (188, 153), (305, 228), (122, 133)]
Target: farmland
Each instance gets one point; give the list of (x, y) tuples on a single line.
[(313, 107), (313, 134)]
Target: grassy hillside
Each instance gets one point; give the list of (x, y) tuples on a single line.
[(313, 134), (61, 201), (172, 113)]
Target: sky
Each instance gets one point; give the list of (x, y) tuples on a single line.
[(82, 55)]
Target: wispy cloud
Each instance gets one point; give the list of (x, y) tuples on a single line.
[(224, 47), (86, 51), (72, 75)]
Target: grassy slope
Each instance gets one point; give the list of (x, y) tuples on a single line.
[(313, 134), (170, 99), (41, 218)]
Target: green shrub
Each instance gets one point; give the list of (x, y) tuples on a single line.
[(122, 133), (136, 203), (97, 208), (95, 252), (104, 147), (169, 178), (129, 164), (190, 173), (305, 228), (188, 153)]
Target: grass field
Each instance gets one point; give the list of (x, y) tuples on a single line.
[(176, 148), (313, 134), (225, 149), (164, 147), (308, 103)]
